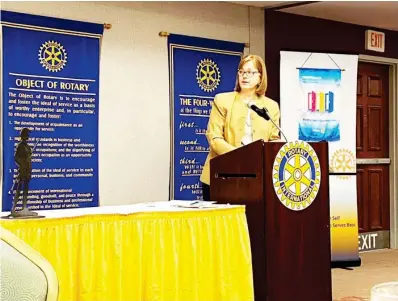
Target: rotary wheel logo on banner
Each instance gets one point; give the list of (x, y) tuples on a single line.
[(52, 56), (208, 75), (343, 160), (296, 175)]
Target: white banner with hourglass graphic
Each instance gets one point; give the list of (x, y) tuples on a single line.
[(318, 103)]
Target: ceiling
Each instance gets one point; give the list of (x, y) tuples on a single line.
[(380, 14)]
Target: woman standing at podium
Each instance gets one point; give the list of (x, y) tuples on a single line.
[(232, 123)]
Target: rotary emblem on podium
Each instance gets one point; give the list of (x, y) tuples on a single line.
[(296, 175)]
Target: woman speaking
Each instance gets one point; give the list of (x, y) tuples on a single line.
[(232, 123)]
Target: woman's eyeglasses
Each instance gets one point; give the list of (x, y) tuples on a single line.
[(248, 73)]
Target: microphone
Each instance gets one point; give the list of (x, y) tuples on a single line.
[(263, 112)]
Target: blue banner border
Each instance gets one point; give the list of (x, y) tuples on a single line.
[(191, 43), (57, 25), (51, 22), (205, 43)]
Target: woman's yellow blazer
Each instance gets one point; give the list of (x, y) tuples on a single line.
[(226, 126)]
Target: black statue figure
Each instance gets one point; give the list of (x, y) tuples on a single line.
[(23, 158)]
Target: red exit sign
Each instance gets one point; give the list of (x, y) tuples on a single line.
[(375, 40)]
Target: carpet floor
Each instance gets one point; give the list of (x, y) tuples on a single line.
[(356, 284)]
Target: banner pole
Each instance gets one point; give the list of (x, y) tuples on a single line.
[(166, 34)]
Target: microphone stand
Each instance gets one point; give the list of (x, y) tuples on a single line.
[(263, 112), (280, 130)]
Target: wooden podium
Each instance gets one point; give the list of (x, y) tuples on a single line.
[(290, 248)]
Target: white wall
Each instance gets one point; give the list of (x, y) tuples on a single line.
[(134, 131)]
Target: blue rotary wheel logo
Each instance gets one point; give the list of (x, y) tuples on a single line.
[(296, 175)]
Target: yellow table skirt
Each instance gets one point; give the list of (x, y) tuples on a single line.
[(201, 255)]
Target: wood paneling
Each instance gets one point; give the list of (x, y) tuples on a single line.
[(375, 128), (360, 126), (374, 86), (373, 202), (375, 175), (372, 142), (362, 214), (372, 111)]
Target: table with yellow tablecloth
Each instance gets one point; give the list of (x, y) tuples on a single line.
[(145, 252)]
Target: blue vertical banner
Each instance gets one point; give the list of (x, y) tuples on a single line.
[(50, 85), (199, 69)]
